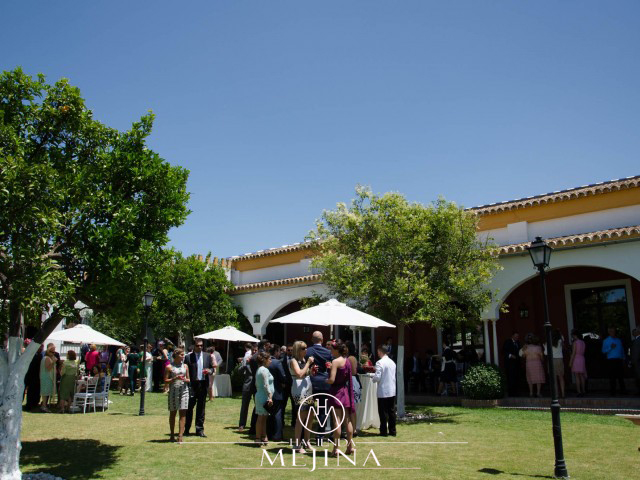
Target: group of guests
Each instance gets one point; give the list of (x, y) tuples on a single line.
[(534, 350), (129, 363), (49, 377), (275, 376), (438, 374)]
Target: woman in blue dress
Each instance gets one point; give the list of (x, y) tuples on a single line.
[(264, 395)]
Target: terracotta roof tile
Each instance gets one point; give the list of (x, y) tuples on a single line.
[(275, 283), (600, 236), (560, 196), (272, 251)]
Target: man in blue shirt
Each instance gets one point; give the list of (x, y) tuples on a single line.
[(614, 351)]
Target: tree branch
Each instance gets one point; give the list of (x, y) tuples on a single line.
[(48, 326)]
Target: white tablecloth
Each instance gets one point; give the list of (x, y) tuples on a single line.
[(222, 385), (367, 411)]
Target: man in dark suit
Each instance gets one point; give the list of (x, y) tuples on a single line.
[(391, 349), (285, 359), (199, 364), (635, 356), (263, 346), (415, 372), (511, 351), (321, 355), (275, 422), (247, 380)]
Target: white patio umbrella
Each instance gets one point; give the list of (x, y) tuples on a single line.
[(83, 334), (333, 312), (230, 334)]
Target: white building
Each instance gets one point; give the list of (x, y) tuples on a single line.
[(593, 280)]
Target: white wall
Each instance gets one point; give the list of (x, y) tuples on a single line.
[(522, 232), (586, 222), (278, 272), (267, 303)]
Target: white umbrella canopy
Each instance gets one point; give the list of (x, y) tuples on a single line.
[(83, 334), (333, 312), (230, 334)]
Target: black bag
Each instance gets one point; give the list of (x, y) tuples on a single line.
[(270, 408)]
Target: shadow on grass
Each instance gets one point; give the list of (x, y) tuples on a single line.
[(428, 415), (495, 471), (67, 458)]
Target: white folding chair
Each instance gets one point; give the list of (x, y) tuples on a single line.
[(103, 396), (88, 397)]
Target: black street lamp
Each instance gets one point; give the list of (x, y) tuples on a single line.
[(147, 301), (540, 255)]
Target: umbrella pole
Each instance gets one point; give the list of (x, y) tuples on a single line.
[(227, 356)]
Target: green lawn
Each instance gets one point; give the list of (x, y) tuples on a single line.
[(501, 444)]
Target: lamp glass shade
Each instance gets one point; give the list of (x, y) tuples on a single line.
[(147, 299), (540, 253), (256, 318)]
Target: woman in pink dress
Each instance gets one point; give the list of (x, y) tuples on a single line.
[(342, 393), (532, 352), (577, 363)]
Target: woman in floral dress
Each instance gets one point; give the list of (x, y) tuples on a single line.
[(176, 375)]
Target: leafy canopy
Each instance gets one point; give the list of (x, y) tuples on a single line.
[(191, 296), (84, 208), (405, 262)]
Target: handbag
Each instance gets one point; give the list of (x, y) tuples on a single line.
[(271, 409)]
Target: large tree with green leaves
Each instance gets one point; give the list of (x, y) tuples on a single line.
[(84, 209), (191, 297), (405, 262)]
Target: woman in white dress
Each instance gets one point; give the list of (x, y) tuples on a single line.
[(176, 375), (214, 369), (148, 369)]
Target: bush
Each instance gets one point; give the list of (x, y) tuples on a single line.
[(483, 382)]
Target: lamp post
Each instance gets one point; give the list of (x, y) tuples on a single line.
[(147, 301), (540, 255)]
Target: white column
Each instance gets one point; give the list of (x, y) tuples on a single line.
[(439, 340), (487, 353), (495, 341), (359, 341)]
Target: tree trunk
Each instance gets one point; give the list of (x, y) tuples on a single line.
[(13, 368), (400, 370)]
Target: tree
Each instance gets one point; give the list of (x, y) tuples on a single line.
[(84, 208), (191, 297), (404, 262)]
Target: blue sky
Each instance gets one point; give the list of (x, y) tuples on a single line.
[(279, 108)]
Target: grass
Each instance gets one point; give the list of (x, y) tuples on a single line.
[(502, 444)]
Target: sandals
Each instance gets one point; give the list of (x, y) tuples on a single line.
[(334, 453)]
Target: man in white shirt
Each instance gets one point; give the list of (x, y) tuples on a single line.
[(385, 377)]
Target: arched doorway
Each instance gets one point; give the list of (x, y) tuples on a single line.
[(589, 299)]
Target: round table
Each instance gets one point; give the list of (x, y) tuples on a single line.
[(222, 385), (367, 409)]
